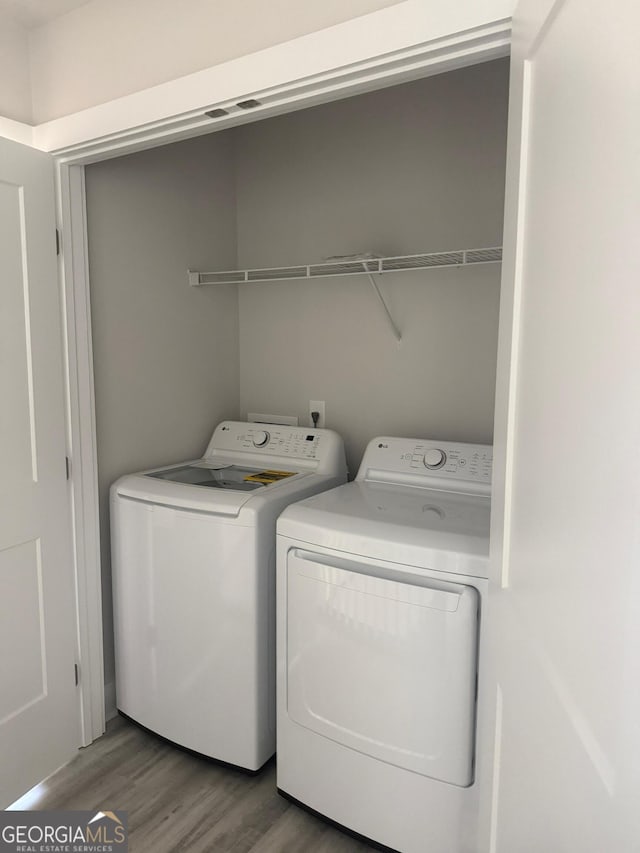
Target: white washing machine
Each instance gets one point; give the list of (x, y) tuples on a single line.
[(193, 562), (380, 585)]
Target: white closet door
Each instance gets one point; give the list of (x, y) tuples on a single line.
[(39, 709), (564, 606), (383, 663)]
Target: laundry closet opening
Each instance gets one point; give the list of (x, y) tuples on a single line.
[(416, 168)]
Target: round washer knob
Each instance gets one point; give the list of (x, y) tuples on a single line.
[(434, 458), (260, 438)]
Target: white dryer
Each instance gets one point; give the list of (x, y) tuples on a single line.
[(380, 586), (193, 562)]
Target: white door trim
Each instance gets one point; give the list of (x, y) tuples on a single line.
[(510, 294), (379, 49), (81, 438), (72, 143), (444, 55), (505, 402)]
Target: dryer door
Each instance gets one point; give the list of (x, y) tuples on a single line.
[(383, 662)]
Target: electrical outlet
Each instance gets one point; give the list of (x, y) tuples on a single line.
[(317, 406)]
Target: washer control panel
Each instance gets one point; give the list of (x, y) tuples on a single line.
[(436, 463), (318, 451), (270, 440), (280, 440)]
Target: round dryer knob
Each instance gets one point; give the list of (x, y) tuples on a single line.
[(434, 458), (260, 439)]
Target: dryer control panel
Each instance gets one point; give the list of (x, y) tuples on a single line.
[(446, 465)]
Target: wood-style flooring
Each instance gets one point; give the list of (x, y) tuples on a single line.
[(178, 802)]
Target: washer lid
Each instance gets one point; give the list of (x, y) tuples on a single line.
[(236, 477), (426, 528), (203, 485)]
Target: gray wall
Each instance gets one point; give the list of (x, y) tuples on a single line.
[(416, 168), (165, 354)]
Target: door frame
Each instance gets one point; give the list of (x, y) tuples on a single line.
[(425, 57), (82, 445)]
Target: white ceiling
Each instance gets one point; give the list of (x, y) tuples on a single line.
[(33, 13)]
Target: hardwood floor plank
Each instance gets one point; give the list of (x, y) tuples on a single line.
[(298, 830), (177, 802)]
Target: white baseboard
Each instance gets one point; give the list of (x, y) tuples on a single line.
[(110, 709)]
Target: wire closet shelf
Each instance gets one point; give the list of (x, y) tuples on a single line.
[(363, 266)]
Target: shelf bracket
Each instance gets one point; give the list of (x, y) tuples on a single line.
[(385, 307)]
